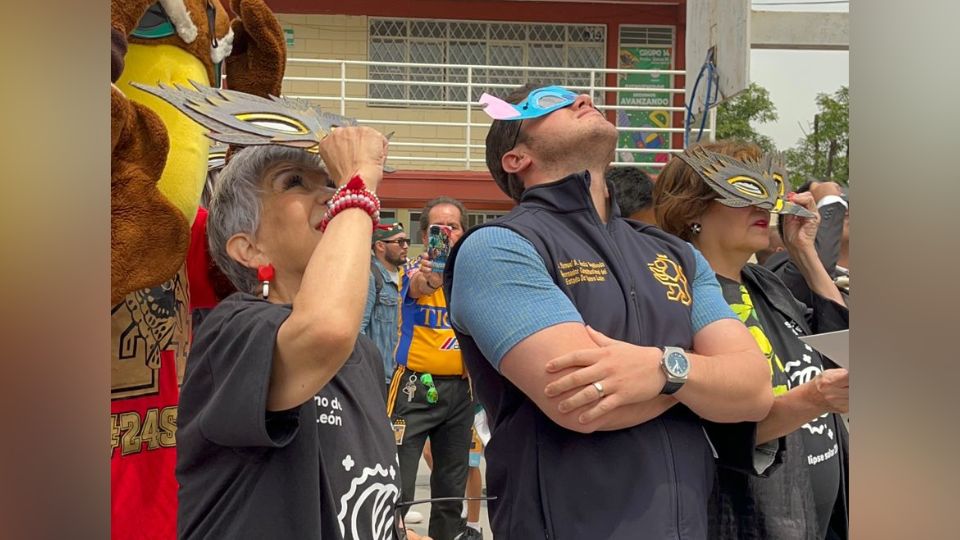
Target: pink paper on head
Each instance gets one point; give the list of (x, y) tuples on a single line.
[(497, 108)]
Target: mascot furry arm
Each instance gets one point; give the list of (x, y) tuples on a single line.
[(159, 158)]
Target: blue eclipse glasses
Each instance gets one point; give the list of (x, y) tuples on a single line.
[(539, 102)]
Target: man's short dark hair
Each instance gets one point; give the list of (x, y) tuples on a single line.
[(500, 140), (443, 199), (634, 189)]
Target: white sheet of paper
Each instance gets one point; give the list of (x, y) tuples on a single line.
[(836, 345)]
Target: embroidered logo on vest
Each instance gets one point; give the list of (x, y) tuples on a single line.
[(577, 271), (669, 273)]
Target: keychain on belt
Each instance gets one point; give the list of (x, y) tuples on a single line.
[(410, 389)]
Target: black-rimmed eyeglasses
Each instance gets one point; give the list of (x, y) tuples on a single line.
[(402, 242)]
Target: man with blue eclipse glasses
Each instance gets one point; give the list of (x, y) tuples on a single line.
[(612, 368)]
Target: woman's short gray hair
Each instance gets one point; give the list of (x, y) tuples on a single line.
[(236, 203)]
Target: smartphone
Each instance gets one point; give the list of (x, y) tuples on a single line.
[(438, 246)]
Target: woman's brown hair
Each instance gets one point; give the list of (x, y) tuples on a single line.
[(680, 196)]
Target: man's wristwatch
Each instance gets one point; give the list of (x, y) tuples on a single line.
[(677, 367)]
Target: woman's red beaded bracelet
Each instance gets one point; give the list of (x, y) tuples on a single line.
[(353, 194)]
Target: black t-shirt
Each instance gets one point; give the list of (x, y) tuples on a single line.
[(793, 363), (325, 469)]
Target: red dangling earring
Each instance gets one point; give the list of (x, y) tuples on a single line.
[(265, 274)]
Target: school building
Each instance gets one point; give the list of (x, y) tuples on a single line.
[(417, 67)]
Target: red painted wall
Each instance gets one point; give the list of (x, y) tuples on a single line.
[(412, 189), (566, 12)]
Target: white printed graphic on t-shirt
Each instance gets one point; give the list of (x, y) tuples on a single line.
[(329, 411), (369, 503), (803, 371)]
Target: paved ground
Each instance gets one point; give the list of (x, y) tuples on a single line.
[(423, 492)]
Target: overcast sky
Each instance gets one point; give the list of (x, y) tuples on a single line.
[(794, 78)]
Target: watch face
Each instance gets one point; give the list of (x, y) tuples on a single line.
[(677, 364)]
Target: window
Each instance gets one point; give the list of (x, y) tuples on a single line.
[(414, 230), (474, 219), (511, 45)]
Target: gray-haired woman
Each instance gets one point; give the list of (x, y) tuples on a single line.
[(282, 430)]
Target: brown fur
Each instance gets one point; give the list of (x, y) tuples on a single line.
[(148, 235), (125, 14), (118, 49), (259, 50)]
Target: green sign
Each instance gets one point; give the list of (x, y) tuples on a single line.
[(645, 57), (288, 33)]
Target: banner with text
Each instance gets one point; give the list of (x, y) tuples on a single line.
[(645, 57)]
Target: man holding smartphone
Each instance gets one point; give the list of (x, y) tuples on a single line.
[(430, 393)]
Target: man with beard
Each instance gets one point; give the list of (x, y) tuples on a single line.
[(430, 395), (380, 321), (601, 348)]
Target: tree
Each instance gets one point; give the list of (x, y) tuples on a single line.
[(735, 116), (824, 152)]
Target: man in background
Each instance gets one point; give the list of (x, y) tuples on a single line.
[(634, 193), (381, 315), (430, 394), (832, 243)]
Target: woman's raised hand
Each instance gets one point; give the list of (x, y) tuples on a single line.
[(799, 233), (355, 150)]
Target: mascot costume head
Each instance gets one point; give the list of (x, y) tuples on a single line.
[(159, 158)]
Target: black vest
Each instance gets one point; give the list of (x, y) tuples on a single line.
[(648, 481)]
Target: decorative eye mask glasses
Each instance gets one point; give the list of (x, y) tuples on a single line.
[(744, 183), (241, 119), (539, 102)]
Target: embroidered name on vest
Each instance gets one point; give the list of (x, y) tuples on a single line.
[(669, 273), (577, 271)]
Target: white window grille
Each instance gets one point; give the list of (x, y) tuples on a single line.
[(461, 43), (476, 218), (646, 35)]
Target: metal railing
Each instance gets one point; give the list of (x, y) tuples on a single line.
[(344, 85)]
